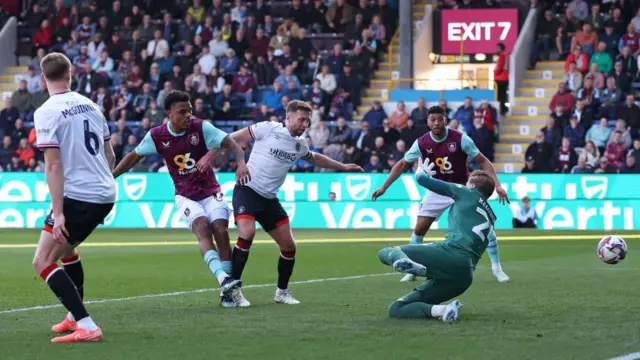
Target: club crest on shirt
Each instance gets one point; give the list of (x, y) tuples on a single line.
[(187, 212), (219, 196), (194, 139), (297, 146), (452, 147)]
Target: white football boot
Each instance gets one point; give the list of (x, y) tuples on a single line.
[(499, 274), (452, 311), (285, 297)]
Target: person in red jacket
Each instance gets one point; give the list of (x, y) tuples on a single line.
[(501, 77), (43, 37)]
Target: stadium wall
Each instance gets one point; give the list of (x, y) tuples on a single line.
[(145, 200), (431, 96)]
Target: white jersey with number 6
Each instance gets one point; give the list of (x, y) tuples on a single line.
[(75, 125), (275, 151)]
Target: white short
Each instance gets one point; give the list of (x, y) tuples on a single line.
[(433, 205), (213, 208)]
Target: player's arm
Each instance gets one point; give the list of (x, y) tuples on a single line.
[(55, 178), (254, 132), (145, 148), (242, 136), (108, 148), (470, 148), (398, 169), (216, 139), (435, 185), (326, 162)]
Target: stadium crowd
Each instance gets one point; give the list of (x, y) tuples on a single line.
[(594, 121)]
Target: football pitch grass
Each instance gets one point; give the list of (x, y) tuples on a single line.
[(155, 299)]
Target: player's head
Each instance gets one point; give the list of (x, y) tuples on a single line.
[(298, 117), (177, 104), (437, 120), (56, 71), (483, 182)]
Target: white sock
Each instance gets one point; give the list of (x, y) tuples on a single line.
[(280, 291), (496, 267), (221, 275), (70, 316), (437, 311), (87, 324)]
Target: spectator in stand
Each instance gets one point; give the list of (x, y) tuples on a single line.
[(399, 117), (545, 33), (154, 115), (15, 165), (587, 39), (560, 116), (574, 132), (564, 158), (328, 82), (609, 99), (596, 19), (610, 39), (591, 152), (263, 114), (568, 28), (629, 62), (293, 92), (621, 77), (584, 115), (43, 38), (604, 167), (539, 153), (229, 64), (319, 134), (132, 142), (563, 96), (630, 166), (200, 111), (374, 165), (364, 139), (40, 97), (142, 100), (380, 148), (630, 113), (599, 134), (341, 134), (527, 217), (602, 59), (582, 167), (588, 94), (420, 114), (244, 84), (631, 40), (227, 105), (580, 58), (388, 134), (19, 131), (218, 47), (579, 8), (626, 135), (288, 76), (596, 77), (635, 152), (6, 151), (465, 112), (454, 124), (33, 80), (483, 138), (338, 16), (412, 132), (272, 98), (25, 152), (8, 117), (573, 78), (22, 99), (501, 77), (103, 66), (351, 84), (552, 133), (400, 150), (278, 41), (616, 150)]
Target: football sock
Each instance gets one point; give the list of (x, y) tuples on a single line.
[(285, 268), (417, 239), (87, 324), (438, 310), (389, 255), (62, 285), (73, 267), (404, 310), (494, 255), (226, 266), (239, 257), (212, 259)]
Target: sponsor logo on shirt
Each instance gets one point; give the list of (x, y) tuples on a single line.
[(186, 165), (282, 155)]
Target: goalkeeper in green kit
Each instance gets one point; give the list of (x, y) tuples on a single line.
[(449, 265)]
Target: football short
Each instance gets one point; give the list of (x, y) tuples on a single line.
[(213, 208), (81, 218), (433, 205), (248, 204)]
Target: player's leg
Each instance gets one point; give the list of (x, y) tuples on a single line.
[(246, 203), (73, 267), (195, 216), (426, 299), (284, 238), (400, 261), (218, 214), (494, 256)]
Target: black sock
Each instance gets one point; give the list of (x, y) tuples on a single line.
[(62, 285), (73, 267), (285, 268), (239, 257)]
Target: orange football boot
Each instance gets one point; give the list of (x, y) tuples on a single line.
[(80, 335), (65, 326)]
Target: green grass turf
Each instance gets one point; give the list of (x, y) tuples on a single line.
[(562, 303)]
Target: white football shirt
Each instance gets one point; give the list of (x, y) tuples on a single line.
[(75, 125), (274, 152)]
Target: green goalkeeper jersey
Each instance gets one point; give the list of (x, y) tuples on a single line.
[(471, 221)]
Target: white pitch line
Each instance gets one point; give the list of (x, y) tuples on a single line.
[(178, 293), (632, 356)]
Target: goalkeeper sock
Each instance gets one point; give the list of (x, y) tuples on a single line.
[(212, 259), (226, 266), (417, 239), (389, 255), (494, 254)]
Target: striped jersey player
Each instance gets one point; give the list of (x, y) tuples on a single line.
[(276, 149), (449, 150)]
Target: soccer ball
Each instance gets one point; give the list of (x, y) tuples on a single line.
[(612, 249)]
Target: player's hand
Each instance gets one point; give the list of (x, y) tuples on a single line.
[(378, 193), (427, 167), (352, 168), (204, 164), (242, 174), (503, 195), (60, 233)]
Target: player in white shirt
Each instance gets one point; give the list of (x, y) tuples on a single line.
[(276, 149), (74, 136)]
